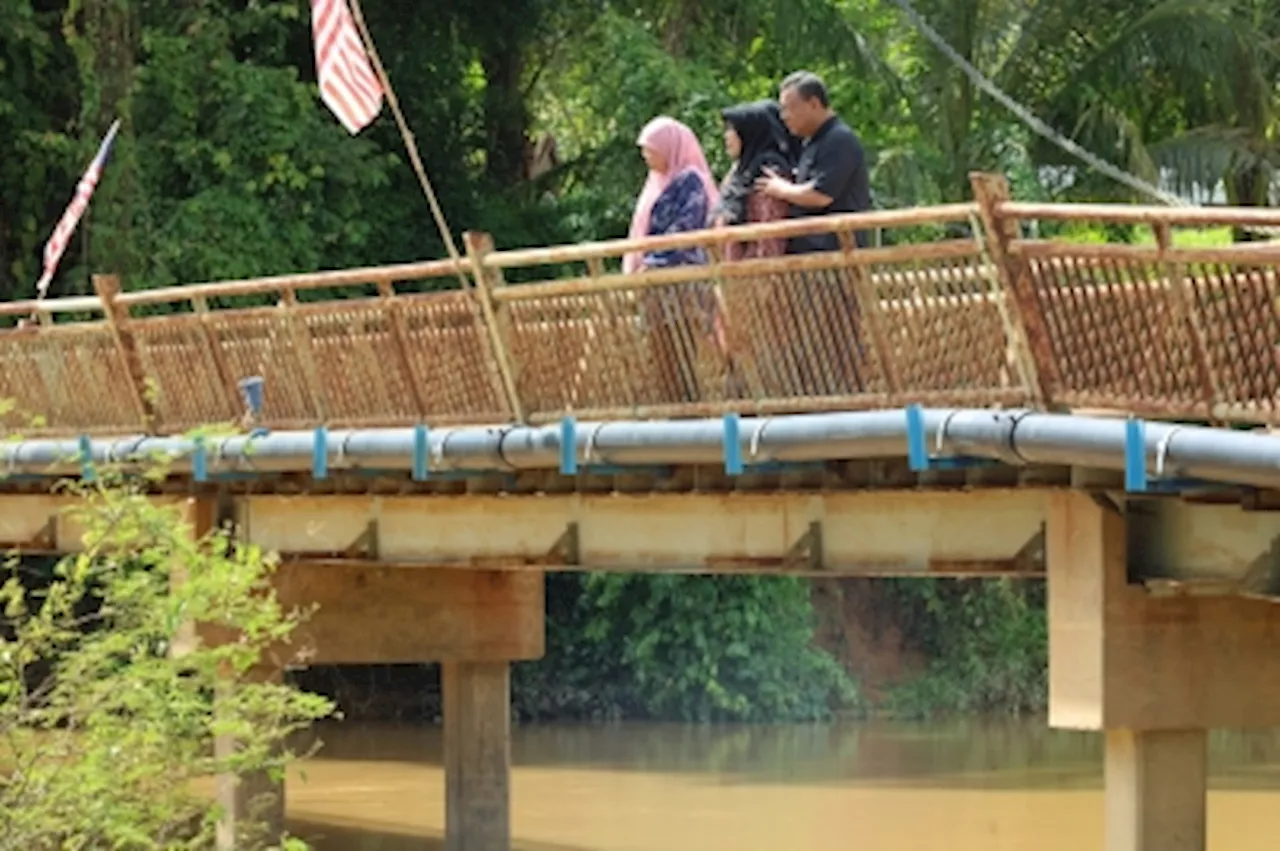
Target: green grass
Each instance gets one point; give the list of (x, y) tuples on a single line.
[(1182, 237)]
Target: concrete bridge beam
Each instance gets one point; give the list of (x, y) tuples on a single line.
[(1153, 672)]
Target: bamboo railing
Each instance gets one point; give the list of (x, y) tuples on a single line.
[(953, 305)]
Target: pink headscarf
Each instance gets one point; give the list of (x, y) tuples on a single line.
[(680, 148)]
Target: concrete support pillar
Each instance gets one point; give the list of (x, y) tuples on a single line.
[(1154, 673), (1155, 790), (253, 801), (477, 755), (475, 623), (253, 805)]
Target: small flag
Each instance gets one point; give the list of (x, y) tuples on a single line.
[(348, 85), (57, 243)]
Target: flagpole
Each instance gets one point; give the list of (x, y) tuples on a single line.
[(76, 209), (409, 142), (505, 374)]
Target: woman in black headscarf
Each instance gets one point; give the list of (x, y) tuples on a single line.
[(756, 337), (756, 139)]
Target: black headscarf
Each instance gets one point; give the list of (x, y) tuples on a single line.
[(765, 144)]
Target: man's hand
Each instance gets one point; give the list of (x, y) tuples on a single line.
[(773, 185)]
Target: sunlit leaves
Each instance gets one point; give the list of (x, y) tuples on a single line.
[(105, 721)]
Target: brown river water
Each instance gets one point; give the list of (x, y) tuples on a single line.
[(873, 787)]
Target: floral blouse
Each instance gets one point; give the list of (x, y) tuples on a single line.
[(761, 208), (681, 207)]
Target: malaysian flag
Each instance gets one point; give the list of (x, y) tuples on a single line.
[(57, 243), (348, 85)]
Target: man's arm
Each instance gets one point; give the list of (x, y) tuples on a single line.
[(798, 194), (834, 167)]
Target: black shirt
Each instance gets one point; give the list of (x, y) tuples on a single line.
[(833, 159)]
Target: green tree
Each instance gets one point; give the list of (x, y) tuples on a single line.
[(986, 641), (105, 723), (692, 648)]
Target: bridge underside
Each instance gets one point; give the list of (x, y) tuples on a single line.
[(840, 519), (1163, 620)]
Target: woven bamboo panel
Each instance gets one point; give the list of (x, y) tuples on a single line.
[(948, 333), (804, 339), (180, 358), (451, 359), (1160, 340), (358, 363), (687, 346), (580, 353), (66, 380), (1238, 309)]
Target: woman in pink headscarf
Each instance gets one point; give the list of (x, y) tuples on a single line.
[(677, 195), (683, 321)]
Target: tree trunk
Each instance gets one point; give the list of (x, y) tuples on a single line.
[(1247, 188), (505, 114)]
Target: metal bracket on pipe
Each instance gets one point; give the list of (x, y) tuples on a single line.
[(320, 453), (570, 465), (421, 453), (87, 471), (918, 456), (200, 461), (1136, 477), (736, 465)]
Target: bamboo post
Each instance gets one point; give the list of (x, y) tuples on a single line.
[(108, 288), (400, 342), (300, 341), (208, 338), (479, 245), (872, 312), (1028, 329), (1185, 304)]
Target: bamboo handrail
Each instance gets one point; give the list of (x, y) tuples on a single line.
[(941, 214), (947, 250), (1137, 214), (69, 304), (370, 276), (1256, 252)]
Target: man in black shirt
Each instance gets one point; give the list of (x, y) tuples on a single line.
[(825, 323), (831, 176)]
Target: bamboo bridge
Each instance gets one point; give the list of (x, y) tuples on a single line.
[(962, 397), (987, 318)]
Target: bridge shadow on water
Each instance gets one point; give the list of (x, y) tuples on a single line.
[(969, 755), (324, 836)]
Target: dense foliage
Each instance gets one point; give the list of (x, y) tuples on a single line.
[(681, 647), (109, 706), (228, 166), (986, 641)]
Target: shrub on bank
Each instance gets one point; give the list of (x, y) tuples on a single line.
[(108, 714)]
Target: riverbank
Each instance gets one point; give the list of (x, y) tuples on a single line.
[(681, 648)]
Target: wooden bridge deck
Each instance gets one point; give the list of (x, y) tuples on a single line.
[(989, 317)]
